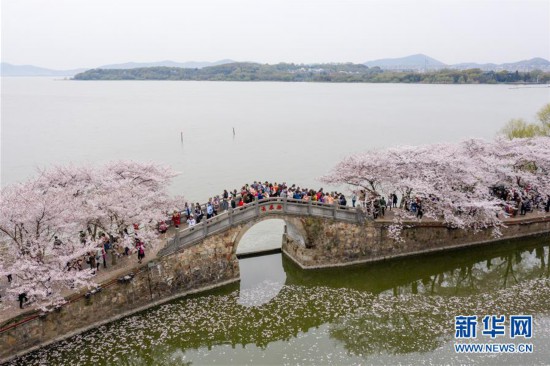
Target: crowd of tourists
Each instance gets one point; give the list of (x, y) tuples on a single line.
[(193, 214), (108, 245), (96, 258), (516, 202), (521, 201), (373, 206)]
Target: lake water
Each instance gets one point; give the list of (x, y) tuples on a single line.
[(395, 312), (293, 132)]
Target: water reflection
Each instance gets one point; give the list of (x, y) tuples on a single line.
[(262, 278), (359, 313), (454, 273)]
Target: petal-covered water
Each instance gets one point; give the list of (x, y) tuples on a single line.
[(395, 312)]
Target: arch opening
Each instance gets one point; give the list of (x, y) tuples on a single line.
[(262, 275), (260, 236)]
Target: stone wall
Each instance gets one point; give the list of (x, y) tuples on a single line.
[(201, 267), (330, 243), (311, 242)]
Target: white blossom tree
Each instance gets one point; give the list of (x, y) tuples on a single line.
[(453, 181), (74, 204)]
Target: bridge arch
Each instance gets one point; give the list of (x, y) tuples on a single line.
[(293, 228)]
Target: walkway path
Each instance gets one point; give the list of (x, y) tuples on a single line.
[(125, 265)]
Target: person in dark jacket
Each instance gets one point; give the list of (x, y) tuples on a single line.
[(22, 299)]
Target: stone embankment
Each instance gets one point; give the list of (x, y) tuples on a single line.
[(333, 244), (315, 237)]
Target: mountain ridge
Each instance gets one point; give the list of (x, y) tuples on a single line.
[(7, 69), (421, 62), (417, 62)]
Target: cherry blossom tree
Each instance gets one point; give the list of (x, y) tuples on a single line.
[(54, 219), (453, 181)]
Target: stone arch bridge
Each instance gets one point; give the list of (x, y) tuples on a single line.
[(234, 223)]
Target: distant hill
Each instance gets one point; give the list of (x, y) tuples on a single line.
[(167, 63), (537, 63), (422, 62), (413, 62), (527, 65), (335, 73), (7, 69)]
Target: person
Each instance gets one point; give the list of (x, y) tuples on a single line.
[(91, 261), (77, 265), (82, 237), (57, 242), (225, 204), (191, 221), (187, 210), (547, 205), (22, 298), (241, 203), (382, 206), (176, 219), (523, 206), (343, 201), (394, 200), (198, 213), (376, 210), (98, 255), (141, 251), (363, 198), (419, 210), (216, 205), (104, 255), (9, 278), (353, 199), (209, 210), (162, 227)]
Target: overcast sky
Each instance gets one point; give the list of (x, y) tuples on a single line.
[(63, 34)]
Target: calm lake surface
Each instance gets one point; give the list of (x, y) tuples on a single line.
[(393, 312), (293, 132)]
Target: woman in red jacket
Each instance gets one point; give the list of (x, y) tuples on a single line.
[(176, 219)]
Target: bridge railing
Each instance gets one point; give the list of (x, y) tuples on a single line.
[(267, 206)]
